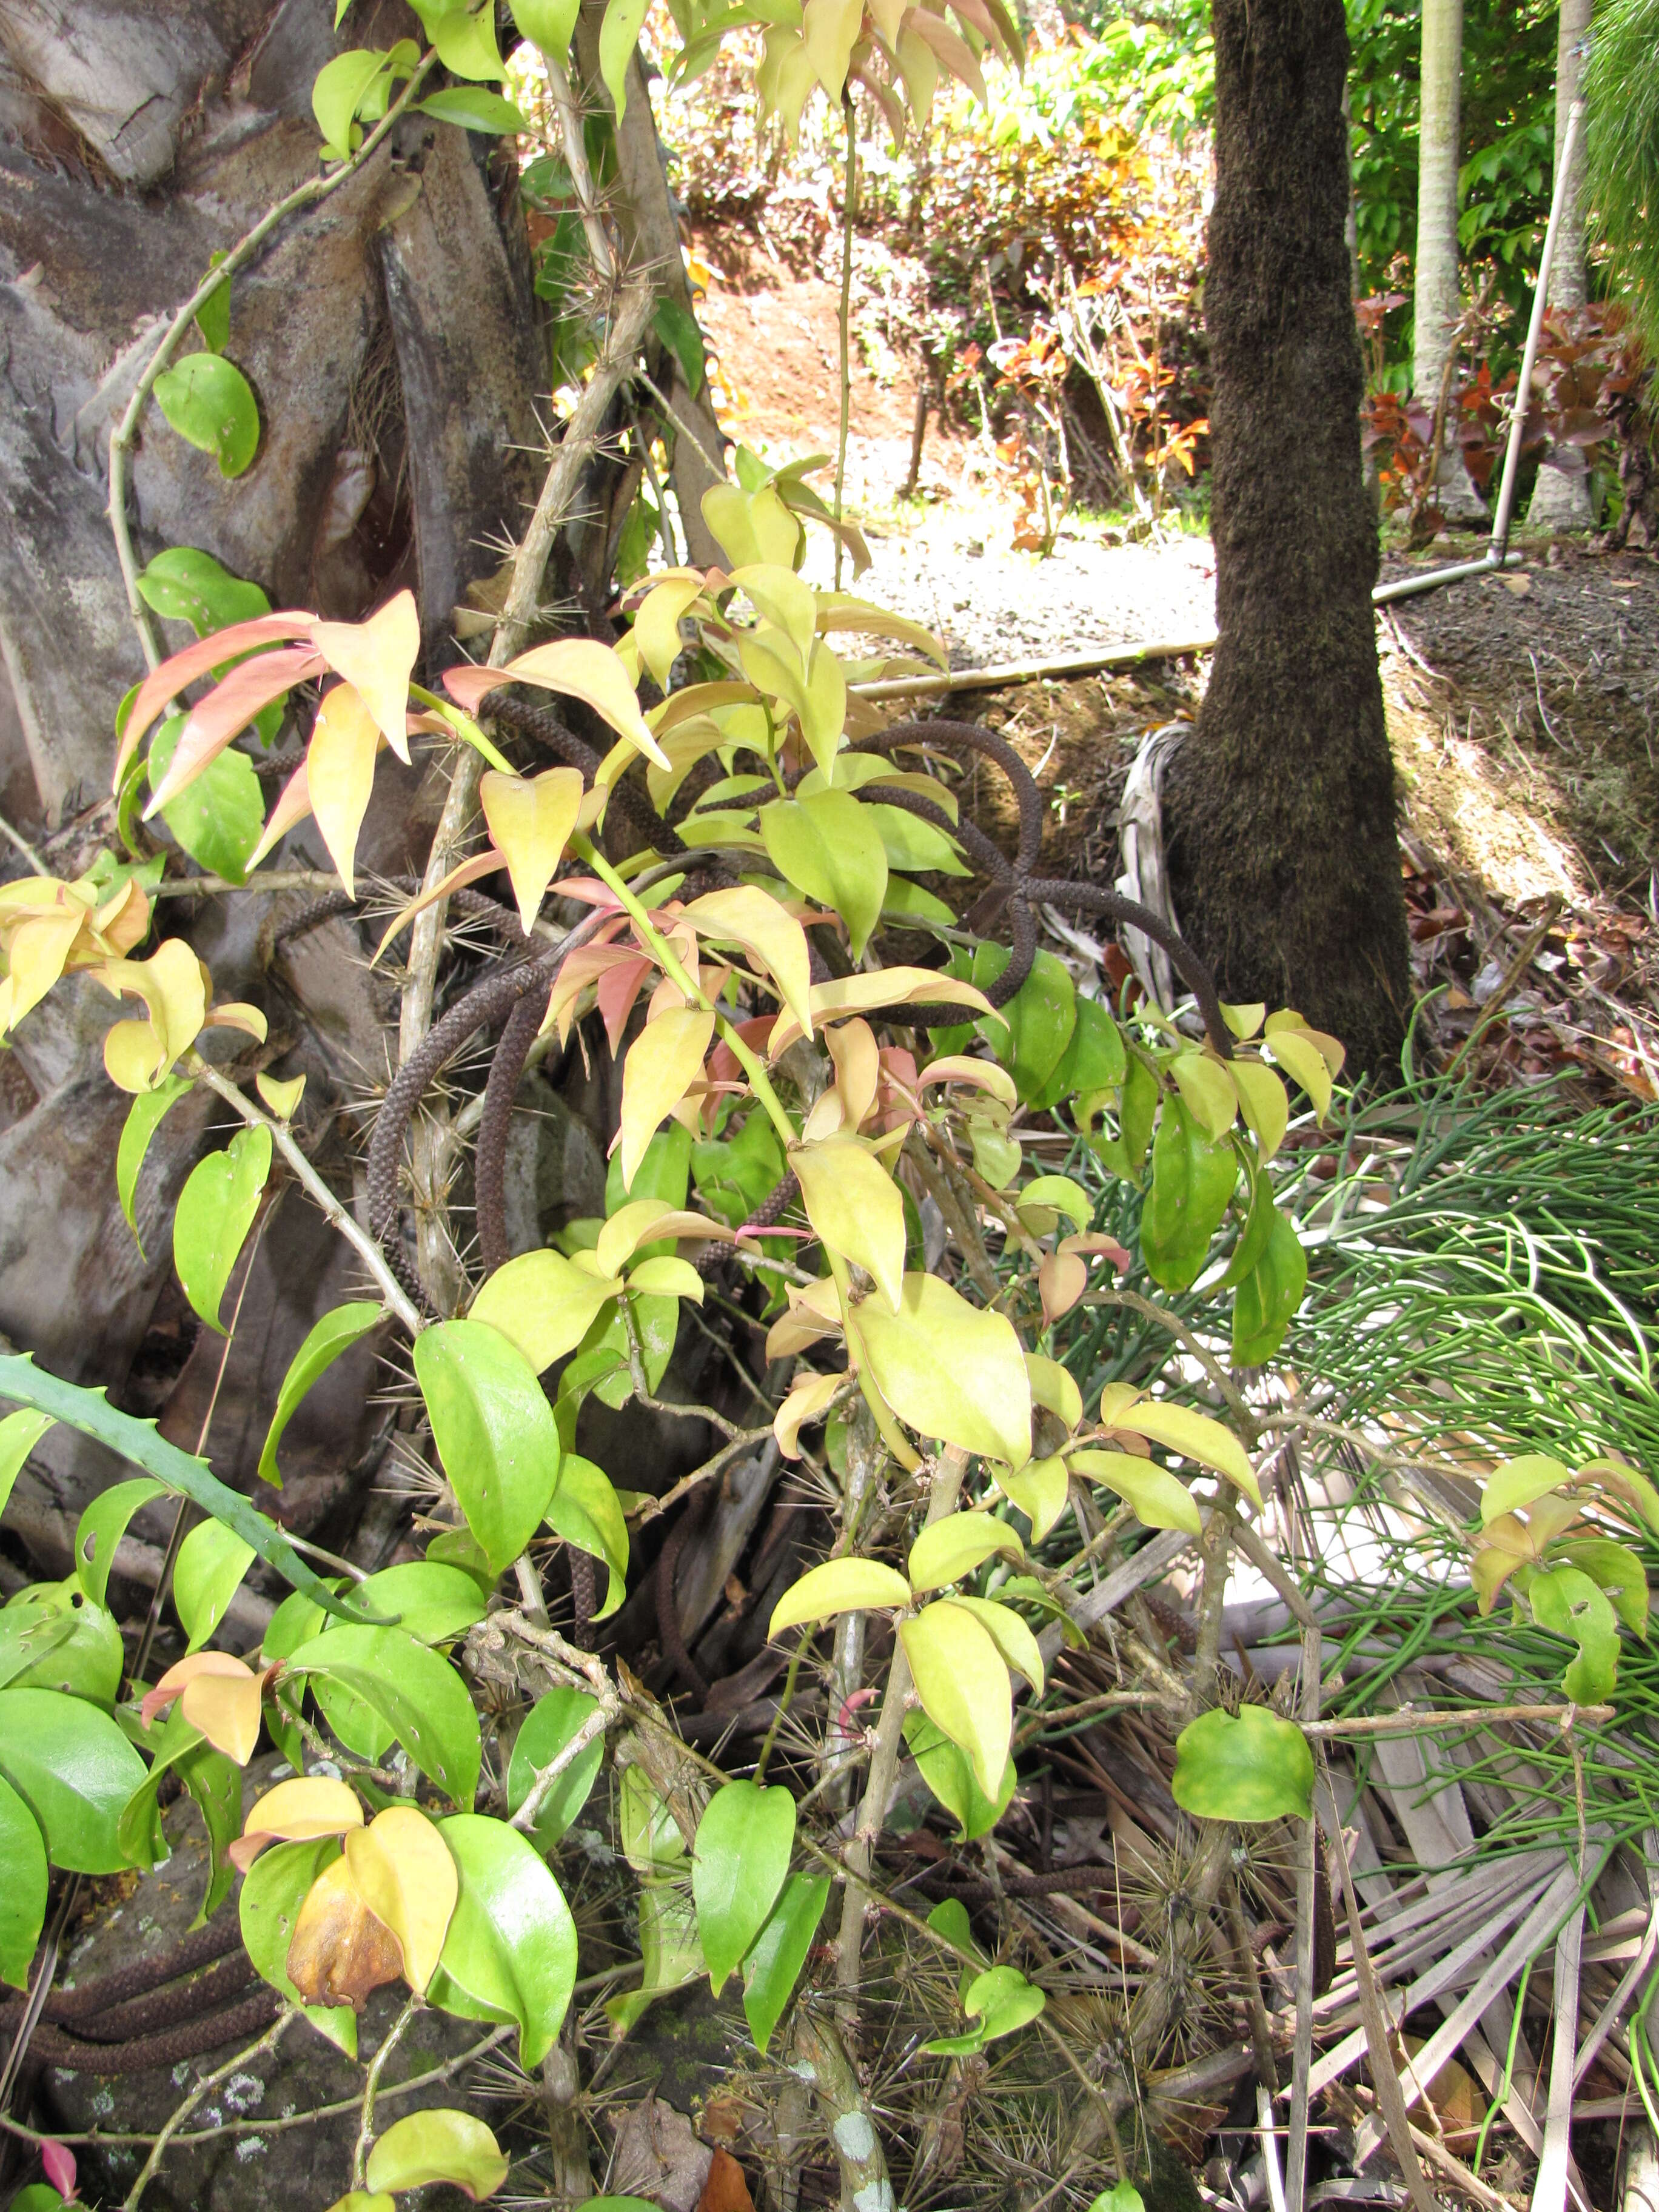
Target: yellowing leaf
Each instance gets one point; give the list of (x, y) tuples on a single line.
[(950, 1548), (436, 2146), (226, 1709), (958, 1067), (1011, 1635), (340, 773), (808, 1396), (838, 1586), (291, 806), (464, 872), (962, 1683), (664, 1061), (856, 1208), (377, 658), (404, 1874), (1266, 1105), (1040, 1489), (1156, 1497), (283, 1098), (949, 1370), (830, 30), (727, 511), (777, 533), (857, 1058), (1195, 1435), (173, 986), (544, 1304), (748, 916), (36, 954), (309, 1805), (883, 986), (340, 1950), (1054, 1387), (1208, 1089), (576, 667), (531, 819), (783, 600), (1297, 1054), (657, 625)]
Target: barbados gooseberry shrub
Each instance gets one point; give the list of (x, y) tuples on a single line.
[(742, 854)]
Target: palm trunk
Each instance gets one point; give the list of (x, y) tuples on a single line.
[(1560, 499), (1279, 806), (391, 339), (1438, 289)]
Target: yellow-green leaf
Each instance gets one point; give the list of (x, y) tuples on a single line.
[(1517, 1482), (1157, 1497), (657, 624), (1208, 1089), (1040, 1489), (663, 1063), (856, 1208), (953, 1547), (838, 1586), (340, 775), (1300, 1058), (1011, 1635), (1195, 1435), (949, 1370), (437, 2146), (828, 847), (1266, 1105), (1054, 1387), (618, 35), (543, 1303), (531, 819), (962, 1683)]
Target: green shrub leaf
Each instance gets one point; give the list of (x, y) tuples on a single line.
[(740, 1859), (1247, 1766)]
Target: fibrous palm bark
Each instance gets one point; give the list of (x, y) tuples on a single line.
[(1280, 805), (390, 337)]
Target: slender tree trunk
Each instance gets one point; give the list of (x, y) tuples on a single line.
[(1560, 499), (1279, 807), (1438, 287)]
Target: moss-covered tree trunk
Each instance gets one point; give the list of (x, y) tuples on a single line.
[(1279, 808)]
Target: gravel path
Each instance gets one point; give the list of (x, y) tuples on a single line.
[(990, 604)]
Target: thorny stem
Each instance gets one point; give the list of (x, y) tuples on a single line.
[(958, 1216), (784, 1704), (575, 159), (849, 204), (272, 2036), (394, 2036), (287, 1145), (661, 950), (592, 1727), (279, 2123), (432, 1141), (951, 1467), (120, 444)]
